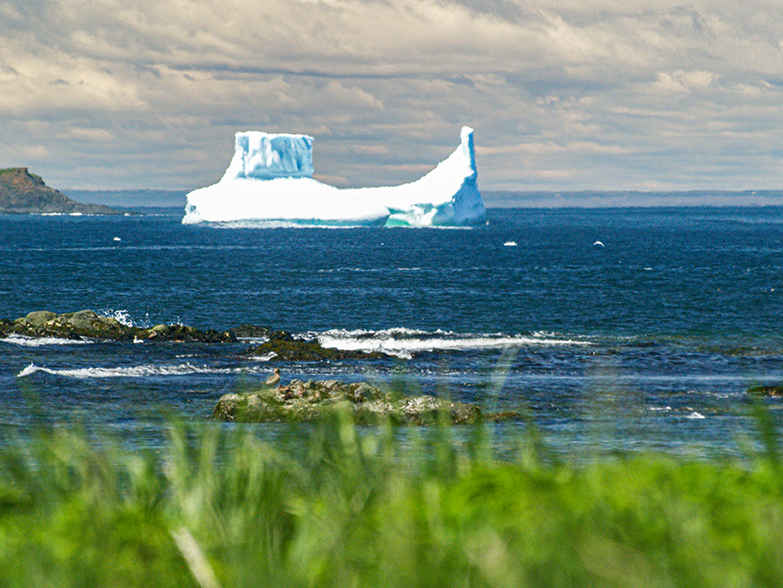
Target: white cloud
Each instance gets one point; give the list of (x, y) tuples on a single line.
[(683, 81)]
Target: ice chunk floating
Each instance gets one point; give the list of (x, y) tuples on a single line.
[(269, 180)]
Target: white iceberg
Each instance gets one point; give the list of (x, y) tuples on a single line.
[(269, 180)]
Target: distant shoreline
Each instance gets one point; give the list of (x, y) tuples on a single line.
[(630, 198), (153, 198), (22, 192)]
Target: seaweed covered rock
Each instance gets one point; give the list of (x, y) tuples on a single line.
[(87, 324), (282, 346), (251, 331), (71, 325), (315, 399), (182, 333)]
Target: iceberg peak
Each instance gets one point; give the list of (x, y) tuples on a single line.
[(269, 179)]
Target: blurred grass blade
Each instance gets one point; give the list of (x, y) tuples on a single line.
[(194, 556)]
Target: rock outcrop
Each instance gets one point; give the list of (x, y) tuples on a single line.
[(367, 405), (24, 193), (86, 324)]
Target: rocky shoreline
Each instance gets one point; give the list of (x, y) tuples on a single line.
[(89, 325)]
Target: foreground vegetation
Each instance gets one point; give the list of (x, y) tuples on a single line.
[(356, 507)]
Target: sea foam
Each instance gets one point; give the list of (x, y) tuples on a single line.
[(26, 341), (404, 343), (139, 371)]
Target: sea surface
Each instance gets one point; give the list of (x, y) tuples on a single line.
[(613, 330)]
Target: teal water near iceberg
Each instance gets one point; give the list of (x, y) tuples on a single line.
[(621, 329)]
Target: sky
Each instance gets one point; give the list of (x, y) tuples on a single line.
[(562, 94)]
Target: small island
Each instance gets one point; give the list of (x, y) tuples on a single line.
[(24, 193)]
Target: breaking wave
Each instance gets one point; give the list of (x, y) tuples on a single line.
[(404, 342), (124, 318), (140, 371), (26, 341)]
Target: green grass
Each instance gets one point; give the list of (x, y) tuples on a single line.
[(346, 506)]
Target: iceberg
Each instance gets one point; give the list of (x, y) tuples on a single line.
[(269, 180)]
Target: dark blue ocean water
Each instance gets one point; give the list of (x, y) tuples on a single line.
[(649, 339)]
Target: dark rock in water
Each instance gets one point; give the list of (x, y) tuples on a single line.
[(774, 390), (24, 193), (313, 400), (286, 347), (182, 333), (86, 324), (281, 336), (251, 331)]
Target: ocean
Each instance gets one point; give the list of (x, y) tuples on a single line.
[(613, 330)]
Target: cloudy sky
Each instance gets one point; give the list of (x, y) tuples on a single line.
[(563, 94)]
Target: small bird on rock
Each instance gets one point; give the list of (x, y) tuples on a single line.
[(274, 380)]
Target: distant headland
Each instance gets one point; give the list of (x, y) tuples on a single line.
[(24, 193)]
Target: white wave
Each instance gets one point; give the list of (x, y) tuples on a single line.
[(30, 369), (254, 340), (121, 316), (140, 371), (358, 270), (694, 414), (124, 317), (266, 357), (67, 214), (510, 244), (383, 334), (42, 341), (404, 342)]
